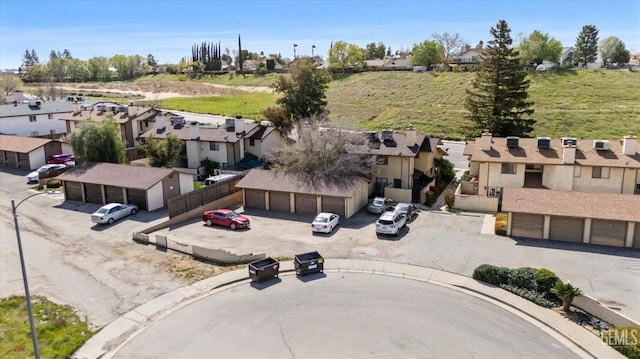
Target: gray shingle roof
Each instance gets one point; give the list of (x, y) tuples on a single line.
[(623, 207), (113, 174), (21, 144), (299, 183), (23, 109)]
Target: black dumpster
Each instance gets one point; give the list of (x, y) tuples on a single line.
[(307, 263), (264, 269)]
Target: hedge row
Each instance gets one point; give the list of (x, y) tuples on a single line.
[(530, 283)]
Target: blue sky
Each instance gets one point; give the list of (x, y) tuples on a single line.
[(168, 29)]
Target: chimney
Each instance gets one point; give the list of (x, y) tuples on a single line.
[(411, 135), (161, 122), (629, 144), (569, 154), (132, 109), (239, 125), (194, 132), (485, 140), (86, 112), (76, 107)]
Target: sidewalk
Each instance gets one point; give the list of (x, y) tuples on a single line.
[(105, 343)]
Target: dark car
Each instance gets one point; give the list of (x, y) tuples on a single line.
[(226, 218), (409, 210)]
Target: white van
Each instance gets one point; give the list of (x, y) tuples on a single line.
[(218, 179)]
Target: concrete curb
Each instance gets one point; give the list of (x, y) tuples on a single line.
[(106, 343)]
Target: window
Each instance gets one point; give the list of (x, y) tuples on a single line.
[(382, 160), (576, 171), (252, 142), (34, 134), (509, 168), (214, 146), (397, 183), (50, 116), (600, 172), (32, 118)]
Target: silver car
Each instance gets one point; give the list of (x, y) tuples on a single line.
[(380, 205), (35, 175), (113, 212)]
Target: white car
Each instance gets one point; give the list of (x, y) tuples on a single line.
[(391, 223), (113, 212), (35, 175), (325, 222)]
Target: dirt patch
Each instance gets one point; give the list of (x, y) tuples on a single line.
[(153, 90)]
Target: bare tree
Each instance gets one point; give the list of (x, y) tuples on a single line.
[(331, 153), (453, 44)]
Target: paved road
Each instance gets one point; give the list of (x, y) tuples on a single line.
[(342, 315)]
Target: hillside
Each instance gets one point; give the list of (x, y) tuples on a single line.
[(582, 103)]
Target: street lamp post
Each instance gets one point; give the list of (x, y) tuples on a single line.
[(312, 48), (294, 50), (34, 334)]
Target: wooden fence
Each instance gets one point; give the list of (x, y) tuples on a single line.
[(188, 201)]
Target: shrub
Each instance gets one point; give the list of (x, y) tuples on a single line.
[(545, 280), (491, 274), (430, 199), (523, 278), (466, 176), (566, 292), (530, 295), (501, 224), (54, 184), (449, 198)]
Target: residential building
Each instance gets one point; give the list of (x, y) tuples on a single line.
[(133, 120), (469, 56), (34, 118), (29, 152), (566, 164)]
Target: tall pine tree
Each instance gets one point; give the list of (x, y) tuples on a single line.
[(586, 49), (498, 98)]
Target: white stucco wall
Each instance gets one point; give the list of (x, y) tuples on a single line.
[(585, 183), (186, 183), (558, 178), (199, 150), (21, 126), (155, 197), (37, 158)]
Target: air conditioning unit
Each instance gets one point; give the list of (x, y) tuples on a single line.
[(494, 192), (544, 143), (387, 135), (601, 145), (569, 140), (513, 141)]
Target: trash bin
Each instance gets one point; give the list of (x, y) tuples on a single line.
[(307, 263), (264, 269)]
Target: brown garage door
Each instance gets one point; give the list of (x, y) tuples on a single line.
[(93, 193), (527, 225), (73, 191), (306, 203), (279, 201), (333, 204), (137, 197), (11, 159), (113, 194), (254, 198), (608, 233), (636, 236), (568, 229), (23, 158)]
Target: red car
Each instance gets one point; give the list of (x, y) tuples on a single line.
[(225, 217)]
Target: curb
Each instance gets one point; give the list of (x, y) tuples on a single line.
[(107, 341)]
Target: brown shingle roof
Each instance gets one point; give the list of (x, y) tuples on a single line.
[(142, 113), (113, 174), (21, 144), (398, 145), (623, 207), (299, 183), (528, 152), (206, 133)]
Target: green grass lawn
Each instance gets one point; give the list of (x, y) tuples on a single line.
[(60, 331), (602, 104), (227, 79)]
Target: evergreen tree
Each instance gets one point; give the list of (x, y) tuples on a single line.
[(498, 98), (586, 49)]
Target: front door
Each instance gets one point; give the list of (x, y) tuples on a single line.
[(381, 184)]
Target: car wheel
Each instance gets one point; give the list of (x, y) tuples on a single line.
[(111, 220), (232, 226), (134, 211), (209, 223)]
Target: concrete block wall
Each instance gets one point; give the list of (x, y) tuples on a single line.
[(222, 256), (592, 306)]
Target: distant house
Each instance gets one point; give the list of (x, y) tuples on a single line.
[(635, 59), (148, 187), (566, 58), (470, 56), (34, 118), (28, 152)]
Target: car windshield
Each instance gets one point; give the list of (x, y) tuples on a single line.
[(102, 210), (402, 207), (232, 214), (43, 169), (378, 202), (321, 219)]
